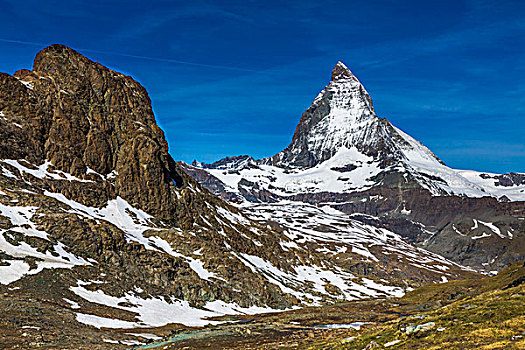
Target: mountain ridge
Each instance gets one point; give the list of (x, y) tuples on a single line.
[(344, 156), (342, 116)]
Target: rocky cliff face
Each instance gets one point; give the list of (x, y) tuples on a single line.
[(89, 121), (88, 168), (343, 155)]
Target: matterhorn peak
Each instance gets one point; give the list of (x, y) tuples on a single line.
[(341, 71), (341, 116)]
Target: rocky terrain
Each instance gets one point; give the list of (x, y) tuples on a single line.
[(344, 156), (106, 241)]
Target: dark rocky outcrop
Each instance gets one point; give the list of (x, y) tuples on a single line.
[(80, 115)]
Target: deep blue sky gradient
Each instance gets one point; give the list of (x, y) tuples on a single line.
[(233, 77)]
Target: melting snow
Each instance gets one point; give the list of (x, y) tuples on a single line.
[(289, 282), (146, 335), (104, 322), (392, 343), (157, 312), (73, 305), (335, 232), (353, 325), (493, 228), (20, 218), (483, 235), (118, 212), (27, 84), (41, 172)]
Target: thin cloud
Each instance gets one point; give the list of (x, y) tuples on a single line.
[(149, 22), (149, 58)]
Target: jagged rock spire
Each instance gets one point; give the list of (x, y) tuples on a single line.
[(342, 115), (341, 71)]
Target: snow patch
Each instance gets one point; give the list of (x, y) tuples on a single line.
[(157, 312), (42, 171)]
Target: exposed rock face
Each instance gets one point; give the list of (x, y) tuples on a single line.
[(507, 180), (81, 116)]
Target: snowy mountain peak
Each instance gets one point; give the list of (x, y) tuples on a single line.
[(342, 115), (341, 146), (341, 71)]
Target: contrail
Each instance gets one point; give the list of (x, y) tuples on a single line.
[(158, 59)]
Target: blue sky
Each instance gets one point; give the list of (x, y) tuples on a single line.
[(233, 77)]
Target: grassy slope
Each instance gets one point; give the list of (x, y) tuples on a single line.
[(487, 313)]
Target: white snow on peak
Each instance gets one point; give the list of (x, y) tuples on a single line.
[(468, 183), (347, 169), (341, 64), (351, 120), (341, 130)]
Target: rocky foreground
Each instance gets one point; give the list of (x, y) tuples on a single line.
[(483, 313)]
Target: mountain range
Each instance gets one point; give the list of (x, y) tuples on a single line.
[(103, 232), (344, 156)]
